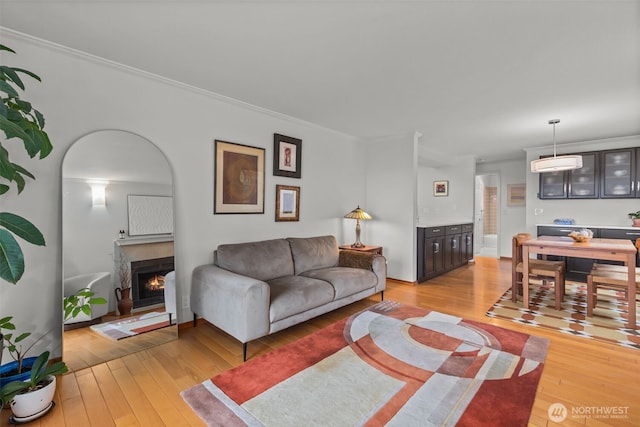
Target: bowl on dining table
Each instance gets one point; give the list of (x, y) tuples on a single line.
[(580, 236)]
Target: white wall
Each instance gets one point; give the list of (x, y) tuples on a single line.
[(81, 94), (391, 194), (457, 207)]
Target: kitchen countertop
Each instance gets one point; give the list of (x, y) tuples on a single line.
[(615, 227), (444, 224)]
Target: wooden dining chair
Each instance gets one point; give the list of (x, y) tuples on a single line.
[(614, 267), (544, 270), (611, 280)]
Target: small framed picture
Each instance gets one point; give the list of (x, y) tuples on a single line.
[(239, 179), (287, 203), (287, 156), (516, 194), (440, 188)]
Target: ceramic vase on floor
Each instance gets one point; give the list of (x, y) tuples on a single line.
[(125, 303)]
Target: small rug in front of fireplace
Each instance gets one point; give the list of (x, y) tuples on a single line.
[(132, 326)]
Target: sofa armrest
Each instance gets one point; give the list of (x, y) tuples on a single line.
[(237, 304), (368, 261)]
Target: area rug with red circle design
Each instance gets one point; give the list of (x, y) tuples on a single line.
[(391, 364), (608, 323)]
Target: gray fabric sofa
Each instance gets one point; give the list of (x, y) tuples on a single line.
[(258, 288)]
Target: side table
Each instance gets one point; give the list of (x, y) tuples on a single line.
[(366, 248)]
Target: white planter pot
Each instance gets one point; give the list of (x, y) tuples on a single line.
[(29, 406)]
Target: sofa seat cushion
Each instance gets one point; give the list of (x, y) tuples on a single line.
[(291, 295), (264, 260), (312, 253), (345, 280)]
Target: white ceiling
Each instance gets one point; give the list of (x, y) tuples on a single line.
[(474, 77)]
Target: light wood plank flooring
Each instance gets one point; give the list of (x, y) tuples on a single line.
[(143, 389)]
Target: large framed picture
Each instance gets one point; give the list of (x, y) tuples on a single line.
[(287, 156), (287, 203), (440, 188), (239, 179)]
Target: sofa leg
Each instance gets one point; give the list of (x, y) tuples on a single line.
[(194, 319), (381, 295), (244, 351)]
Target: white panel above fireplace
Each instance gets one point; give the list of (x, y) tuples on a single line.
[(150, 215)]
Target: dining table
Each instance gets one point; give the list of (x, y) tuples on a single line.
[(597, 249)]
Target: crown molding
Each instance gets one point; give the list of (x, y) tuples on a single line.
[(9, 33)]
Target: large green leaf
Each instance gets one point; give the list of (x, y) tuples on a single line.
[(7, 48), (21, 227), (23, 171), (5, 323), (27, 72), (12, 130), (8, 89), (12, 75), (11, 258), (24, 105), (7, 169)]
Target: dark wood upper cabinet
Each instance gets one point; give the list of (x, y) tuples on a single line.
[(604, 174), (618, 175), (580, 183), (584, 182), (553, 185)]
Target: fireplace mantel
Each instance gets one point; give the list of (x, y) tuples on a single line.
[(143, 240)]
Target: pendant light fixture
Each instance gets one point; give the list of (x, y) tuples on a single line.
[(556, 163)]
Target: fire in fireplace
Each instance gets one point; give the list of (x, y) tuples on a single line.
[(147, 281)]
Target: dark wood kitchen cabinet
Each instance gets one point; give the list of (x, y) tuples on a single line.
[(430, 252), (467, 242), (605, 174), (580, 183), (441, 249), (452, 246), (619, 174)]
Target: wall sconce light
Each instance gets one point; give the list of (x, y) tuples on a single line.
[(98, 193), (358, 214)]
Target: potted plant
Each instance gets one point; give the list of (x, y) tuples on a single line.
[(20, 121), (33, 397), (635, 217), (20, 367)]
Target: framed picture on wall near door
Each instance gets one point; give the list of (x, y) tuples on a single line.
[(516, 194), (440, 188)]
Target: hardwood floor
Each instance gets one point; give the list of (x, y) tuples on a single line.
[(143, 389)]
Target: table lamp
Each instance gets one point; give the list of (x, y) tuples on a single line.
[(358, 214)]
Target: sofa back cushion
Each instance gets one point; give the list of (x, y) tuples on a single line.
[(264, 260), (312, 253)]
